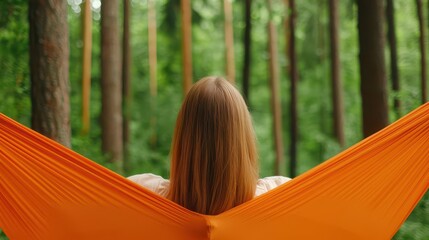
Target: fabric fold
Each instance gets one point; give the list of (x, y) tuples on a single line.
[(366, 192)]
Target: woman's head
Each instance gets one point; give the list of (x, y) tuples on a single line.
[(213, 157)]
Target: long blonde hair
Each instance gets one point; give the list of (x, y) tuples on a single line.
[(214, 164)]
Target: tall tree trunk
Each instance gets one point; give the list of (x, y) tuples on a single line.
[(293, 91), (111, 83), (49, 69), (126, 81), (422, 50), (185, 6), (86, 65), (229, 41), (275, 98), (247, 43), (152, 67), (372, 65), (337, 100), (394, 72)]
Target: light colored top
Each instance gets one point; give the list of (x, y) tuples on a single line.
[(160, 185)]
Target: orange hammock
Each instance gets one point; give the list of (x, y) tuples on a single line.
[(366, 192)]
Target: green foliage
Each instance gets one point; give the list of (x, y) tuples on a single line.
[(316, 143), (14, 74), (2, 235)]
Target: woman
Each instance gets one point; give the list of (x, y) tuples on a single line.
[(214, 162)]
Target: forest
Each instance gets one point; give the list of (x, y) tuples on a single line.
[(318, 76)]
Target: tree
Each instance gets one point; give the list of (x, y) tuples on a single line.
[(152, 47), (86, 64), (49, 66), (275, 98), (293, 89), (111, 84), (126, 80), (372, 65), (247, 42), (394, 72), (422, 50), (229, 41), (336, 86), (185, 6)]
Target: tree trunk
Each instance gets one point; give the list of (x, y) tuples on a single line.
[(86, 65), (337, 100), (185, 6), (126, 81), (49, 69), (229, 41), (372, 66), (394, 72), (422, 50), (247, 42), (275, 98), (293, 90), (152, 68), (111, 84)]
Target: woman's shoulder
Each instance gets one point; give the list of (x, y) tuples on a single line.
[(266, 184), (152, 182)]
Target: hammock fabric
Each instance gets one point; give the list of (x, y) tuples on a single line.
[(366, 192)]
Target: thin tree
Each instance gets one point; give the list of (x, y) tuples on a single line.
[(247, 42), (275, 97), (394, 71), (49, 69), (152, 47), (86, 65), (336, 86), (126, 80), (186, 19), (422, 39), (293, 90), (229, 41), (152, 66), (372, 65), (111, 83)]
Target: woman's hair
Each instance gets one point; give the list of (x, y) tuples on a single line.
[(214, 162)]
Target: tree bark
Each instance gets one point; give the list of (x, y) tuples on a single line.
[(111, 84), (394, 72), (275, 97), (86, 65), (185, 6), (229, 41), (336, 86), (293, 91), (247, 43), (422, 50), (126, 81), (49, 66), (152, 47), (372, 65)]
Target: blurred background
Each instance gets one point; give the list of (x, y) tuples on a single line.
[(312, 72)]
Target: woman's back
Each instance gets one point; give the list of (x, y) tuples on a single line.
[(214, 162)]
